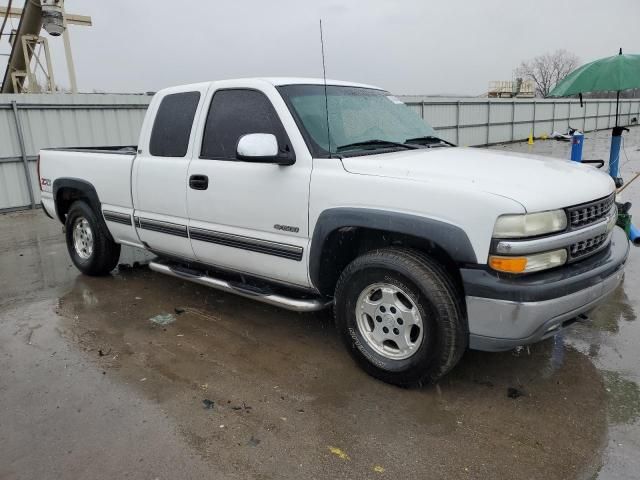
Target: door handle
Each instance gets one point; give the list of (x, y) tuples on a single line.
[(199, 182)]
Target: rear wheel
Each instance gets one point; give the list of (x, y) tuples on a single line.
[(89, 244), (400, 315)]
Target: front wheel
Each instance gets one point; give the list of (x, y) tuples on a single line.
[(400, 315), (89, 244)]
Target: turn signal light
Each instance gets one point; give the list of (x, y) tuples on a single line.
[(508, 264), (530, 263)]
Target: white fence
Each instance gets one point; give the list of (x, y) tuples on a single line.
[(483, 121), (31, 122)]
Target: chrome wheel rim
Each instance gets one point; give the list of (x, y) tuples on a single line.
[(389, 321), (82, 238)]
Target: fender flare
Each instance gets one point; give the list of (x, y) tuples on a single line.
[(83, 186), (452, 239)]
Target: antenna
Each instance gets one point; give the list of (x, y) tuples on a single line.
[(326, 98)]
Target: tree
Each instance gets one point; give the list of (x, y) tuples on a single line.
[(548, 69)]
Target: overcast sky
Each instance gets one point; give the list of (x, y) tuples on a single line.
[(407, 47)]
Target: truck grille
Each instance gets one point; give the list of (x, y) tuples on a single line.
[(585, 247), (588, 213)]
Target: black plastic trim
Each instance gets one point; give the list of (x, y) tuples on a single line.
[(87, 189), (448, 237), (89, 192), (291, 252), (117, 217), (537, 287), (162, 227), (46, 212)]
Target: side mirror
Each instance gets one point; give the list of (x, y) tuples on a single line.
[(260, 147)]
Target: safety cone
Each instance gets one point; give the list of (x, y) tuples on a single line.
[(530, 142)]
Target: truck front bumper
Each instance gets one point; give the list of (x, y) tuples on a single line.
[(506, 312)]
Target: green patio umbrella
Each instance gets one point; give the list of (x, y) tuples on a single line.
[(617, 73), (610, 74)]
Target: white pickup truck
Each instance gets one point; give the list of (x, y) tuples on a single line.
[(306, 195)]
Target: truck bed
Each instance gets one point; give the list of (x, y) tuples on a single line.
[(106, 169)]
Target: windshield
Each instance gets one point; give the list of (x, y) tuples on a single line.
[(361, 120)]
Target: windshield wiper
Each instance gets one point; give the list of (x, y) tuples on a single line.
[(428, 140), (375, 143)]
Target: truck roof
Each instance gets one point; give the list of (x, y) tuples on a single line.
[(276, 81)]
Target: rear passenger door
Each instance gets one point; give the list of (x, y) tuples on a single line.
[(252, 217), (159, 179)]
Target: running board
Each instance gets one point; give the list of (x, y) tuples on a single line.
[(288, 303)]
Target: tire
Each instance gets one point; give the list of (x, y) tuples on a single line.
[(89, 244), (416, 300)]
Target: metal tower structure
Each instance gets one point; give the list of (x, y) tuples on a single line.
[(30, 53)]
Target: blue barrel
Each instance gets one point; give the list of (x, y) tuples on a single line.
[(577, 141), (614, 154), (634, 235)]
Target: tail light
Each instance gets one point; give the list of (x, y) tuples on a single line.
[(38, 169)]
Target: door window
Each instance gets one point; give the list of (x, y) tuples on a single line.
[(237, 112), (172, 126)]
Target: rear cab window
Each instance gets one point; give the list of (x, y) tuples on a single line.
[(172, 125)]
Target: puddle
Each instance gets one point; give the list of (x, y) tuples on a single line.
[(163, 319), (305, 392)]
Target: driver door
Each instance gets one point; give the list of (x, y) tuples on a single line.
[(249, 217)]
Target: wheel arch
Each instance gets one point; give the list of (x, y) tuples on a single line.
[(341, 234), (68, 190)]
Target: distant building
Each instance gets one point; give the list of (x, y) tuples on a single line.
[(517, 88)]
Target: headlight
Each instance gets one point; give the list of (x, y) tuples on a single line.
[(530, 224), (528, 263)]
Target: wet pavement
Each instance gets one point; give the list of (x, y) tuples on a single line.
[(138, 375)]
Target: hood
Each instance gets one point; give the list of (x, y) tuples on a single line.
[(538, 183)]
